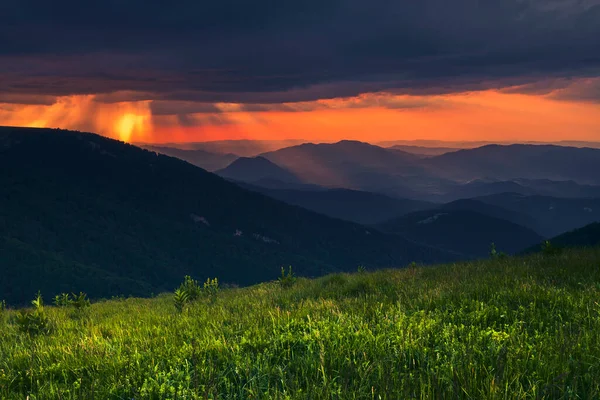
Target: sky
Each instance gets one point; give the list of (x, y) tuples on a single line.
[(319, 70)]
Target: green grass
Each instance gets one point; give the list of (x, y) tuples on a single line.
[(499, 329)]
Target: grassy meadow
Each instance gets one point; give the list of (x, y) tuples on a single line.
[(504, 328)]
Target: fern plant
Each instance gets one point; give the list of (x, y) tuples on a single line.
[(181, 298), (191, 287), (190, 291)]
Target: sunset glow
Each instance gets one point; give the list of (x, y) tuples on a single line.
[(126, 121), (482, 115)]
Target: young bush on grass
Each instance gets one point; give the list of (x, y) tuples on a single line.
[(2, 305), (211, 287), (190, 291), (287, 280), (34, 322), (80, 301), (191, 287), (62, 300), (548, 249), (494, 253), (181, 298)]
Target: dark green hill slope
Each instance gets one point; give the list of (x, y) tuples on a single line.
[(587, 236), (82, 212), (466, 232), (551, 216), (346, 204), (492, 211)]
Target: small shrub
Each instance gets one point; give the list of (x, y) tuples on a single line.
[(80, 301), (211, 287), (549, 249), (34, 322), (494, 253), (287, 280), (181, 298), (62, 300), (2, 305), (191, 287), (190, 290), (361, 269)]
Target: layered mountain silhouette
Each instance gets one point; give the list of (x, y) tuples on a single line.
[(423, 150), (549, 216), (257, 170), (356, 165), (200, 158), (242, 148), (82, 212), (468, 233), (520, 161), (491, 169), (491, 210), (350, 205)]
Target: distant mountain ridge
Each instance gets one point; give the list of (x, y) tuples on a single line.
[(257, 169), (423, 150), (468, 144), (492, 169), (241, 147), (356, 165), (520, 161), (200, 158)]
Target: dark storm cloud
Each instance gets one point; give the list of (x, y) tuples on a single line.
[(273, 51), (18, 98), (162, 107), (584, 90)]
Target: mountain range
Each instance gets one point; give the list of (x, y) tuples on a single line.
[(82, 212), (256, 170), (492, 169), (519, 161), (242, 148)]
